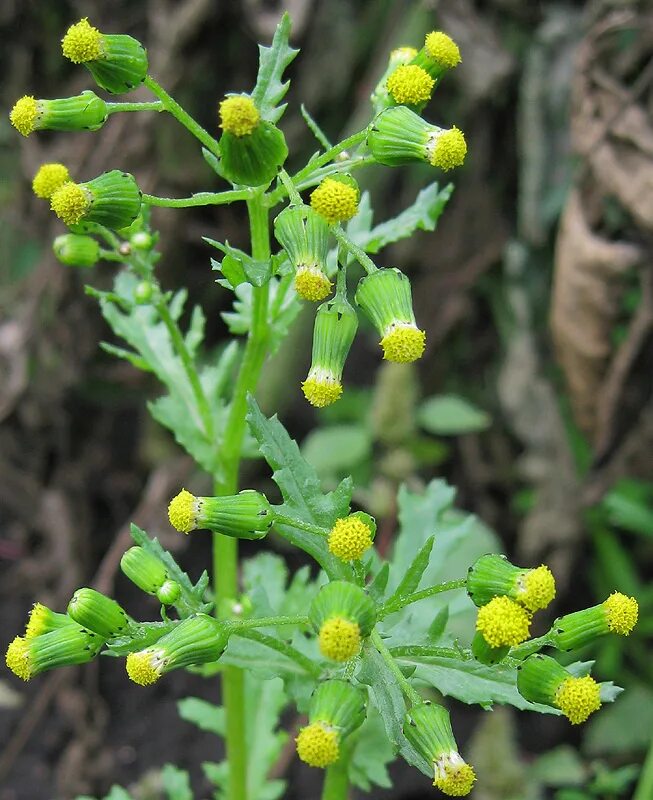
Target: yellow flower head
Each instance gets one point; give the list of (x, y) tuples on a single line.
[(317, 745), (442, 49), (18, 658), (82, 42), (447, 149), (70, 202), (339, 639), (321, 389), (577, 698), (410, 85), (621, 613), (48, 179), (537, 589), (238, 115), (403, 343), (24, 114), (335, 201), (38, 621), (182, 512), (453, 775), (144, 667), (503, 622), (350, 538), (311, 283)]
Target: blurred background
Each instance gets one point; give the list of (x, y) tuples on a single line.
[(534, 398)]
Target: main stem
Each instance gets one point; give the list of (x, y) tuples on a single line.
[(225, 549)]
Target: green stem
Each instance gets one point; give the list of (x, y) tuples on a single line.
[(411, 695), (284, 648), (396, 605), (268, 622), (531, 646), (644, 789), (109, 255), (173, 107), (336, 777), (300, 524), (225, 548), (359, 254), (198, 199), (189, 367), (154, 105), (329, 155), (427, 651), (293, 194)]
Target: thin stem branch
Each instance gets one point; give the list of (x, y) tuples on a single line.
[(179, 345), (411, 695), (293, 194), (396, 605), (268, 622), (284, 648), (526, 649), (328, 156), (300, 524), (198, 199), (173, 107), (359, 254), (110, 255), (154, 105)]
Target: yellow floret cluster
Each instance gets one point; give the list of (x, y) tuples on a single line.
[(70, 203), (182, 512), (447, 149), (48, 179), (410, 85), (403, 343), (335, 201), (538, 588), (82, 42), (442, 49), (456, 780), (577, 698), (18, 658), (503, 622), (317, 745), (37, 621), (24, 114), (350, 538), (321, 391), (238, 115), (140, 668), (339, 639), (621, 613), (312, 284)]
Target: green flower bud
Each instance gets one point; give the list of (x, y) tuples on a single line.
[(62, 647), (485, 653), (386, 298), (542, 680), (618, 614), (143, 293), (400, 136), (342, 616), (76, 250), (169, 593), (84, 112), (494, 576), (43, 620), (246, 515), (112, 199), (428, 728), (143, 569), (197, 640), (98, 613), (439, 54), (304, 235), (380, 97), (337, 708), (141, 240), (334, 331), (118, 63), (252, 149)]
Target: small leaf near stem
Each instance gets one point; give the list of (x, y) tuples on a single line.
[(401, 602)]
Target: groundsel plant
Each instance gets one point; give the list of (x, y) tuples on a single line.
[(369, 649)]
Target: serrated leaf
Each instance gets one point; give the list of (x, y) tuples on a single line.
[(207, 716), (372, 751), (423, 215), (176, 783), (450, 415), (273, 60), (389, 701), (238, 263), (377, 585), (301, 490), (119, 352)]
